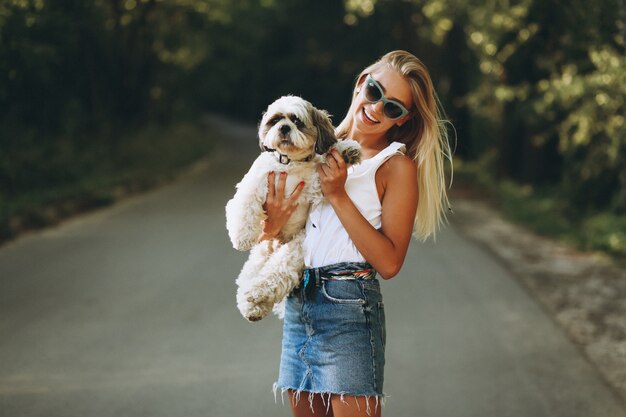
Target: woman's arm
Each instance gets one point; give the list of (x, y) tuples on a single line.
[(277, 208), (386, 248)]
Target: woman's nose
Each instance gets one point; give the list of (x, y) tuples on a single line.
[(378, 107)]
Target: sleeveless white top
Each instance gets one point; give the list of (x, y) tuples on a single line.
[(326, 241)]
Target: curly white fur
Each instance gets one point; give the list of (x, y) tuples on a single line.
[(302, 134)]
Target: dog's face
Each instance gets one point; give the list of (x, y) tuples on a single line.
[(295, 128)]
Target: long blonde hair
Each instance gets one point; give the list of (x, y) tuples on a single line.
[(425, 136)]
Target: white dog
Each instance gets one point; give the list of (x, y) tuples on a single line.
[(295, 137)]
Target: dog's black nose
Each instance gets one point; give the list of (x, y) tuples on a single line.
[(284, 129)]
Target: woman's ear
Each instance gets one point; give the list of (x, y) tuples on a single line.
[(359, 83), (325, 131)]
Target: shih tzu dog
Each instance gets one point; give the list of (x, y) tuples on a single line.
[(295, 136)]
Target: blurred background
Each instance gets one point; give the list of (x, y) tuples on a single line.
[(108, 95)]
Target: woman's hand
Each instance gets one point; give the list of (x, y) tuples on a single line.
[(333, 175), (278, 208)]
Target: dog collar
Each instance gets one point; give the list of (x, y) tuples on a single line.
[(284, 159)]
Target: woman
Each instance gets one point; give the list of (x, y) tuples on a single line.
[(334, 329)]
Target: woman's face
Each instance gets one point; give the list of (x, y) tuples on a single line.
[(369, 117)]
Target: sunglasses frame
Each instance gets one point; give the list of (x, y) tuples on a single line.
[(382, 98)]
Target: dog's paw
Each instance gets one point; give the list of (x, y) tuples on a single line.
[(262, 294), (256, 312), (254, 317), (350, 150), (262, 300)]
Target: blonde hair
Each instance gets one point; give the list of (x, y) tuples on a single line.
[(425, 136)]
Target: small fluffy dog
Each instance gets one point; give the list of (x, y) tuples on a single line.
[(294, 136)]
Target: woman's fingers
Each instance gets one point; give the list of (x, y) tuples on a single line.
[(280, 188), (276, 192), (335, 161), (324, 171), (277, 208), (331, 162), (332, 174), (270, 185), (296, 193), (338, 158)]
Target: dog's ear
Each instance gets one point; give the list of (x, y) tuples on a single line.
[(325, 131)]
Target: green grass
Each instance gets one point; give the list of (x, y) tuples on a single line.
[(56, 179), (546, 211)]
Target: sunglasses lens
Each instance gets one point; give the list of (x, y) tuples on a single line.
[(392, 111), (372, 92)]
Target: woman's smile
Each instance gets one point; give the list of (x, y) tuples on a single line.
[(368, 117)]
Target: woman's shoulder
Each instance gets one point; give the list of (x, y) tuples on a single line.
[(399, 165), (399, 172)]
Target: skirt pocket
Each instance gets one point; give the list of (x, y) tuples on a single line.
[(343, 291)]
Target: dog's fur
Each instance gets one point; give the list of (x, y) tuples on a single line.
[(302, 134)]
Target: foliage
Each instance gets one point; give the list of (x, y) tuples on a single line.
[(79, 178), (542, 208), (537, 84), (552, 84)]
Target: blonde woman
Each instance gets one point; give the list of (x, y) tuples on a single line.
[(333, 350)]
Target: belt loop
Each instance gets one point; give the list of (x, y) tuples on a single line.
[(317, 277)]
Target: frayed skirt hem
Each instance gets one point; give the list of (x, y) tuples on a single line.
[(326, 396)]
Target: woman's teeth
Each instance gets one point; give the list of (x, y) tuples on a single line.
[(368, 117)]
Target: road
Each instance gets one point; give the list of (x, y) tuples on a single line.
[(130, 311)]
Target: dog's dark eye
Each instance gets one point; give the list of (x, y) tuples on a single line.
[(274, 120), (299, 124)]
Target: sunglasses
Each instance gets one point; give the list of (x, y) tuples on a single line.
[(374, 93)]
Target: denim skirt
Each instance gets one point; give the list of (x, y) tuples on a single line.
[(334, 333)]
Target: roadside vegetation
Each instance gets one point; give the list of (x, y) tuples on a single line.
[(536, 90), (62, 178), (546, 210)]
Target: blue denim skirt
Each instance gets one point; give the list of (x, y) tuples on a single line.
[(334, 333)]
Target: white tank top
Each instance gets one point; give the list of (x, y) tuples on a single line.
[(326, 241)]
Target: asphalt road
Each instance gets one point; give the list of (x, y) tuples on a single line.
[(130, 311)]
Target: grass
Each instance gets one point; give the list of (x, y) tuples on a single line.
[(546, 211), (57, 179)]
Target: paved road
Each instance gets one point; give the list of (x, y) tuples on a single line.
[(130, 311)]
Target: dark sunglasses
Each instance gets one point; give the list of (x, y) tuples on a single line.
[(374, 93)]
